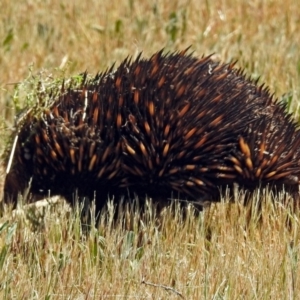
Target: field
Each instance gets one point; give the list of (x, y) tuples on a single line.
[(228, 251)]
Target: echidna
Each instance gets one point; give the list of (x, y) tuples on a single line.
[(169, 124)]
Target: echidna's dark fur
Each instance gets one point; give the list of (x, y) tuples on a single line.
[(171, 123)]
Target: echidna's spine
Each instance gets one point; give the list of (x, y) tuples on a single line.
[(267, 151)]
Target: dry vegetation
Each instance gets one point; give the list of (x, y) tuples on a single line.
[(226, 252)]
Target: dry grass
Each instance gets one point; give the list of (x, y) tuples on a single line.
[(223, 253)]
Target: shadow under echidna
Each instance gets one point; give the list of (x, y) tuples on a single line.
[(172, 125)]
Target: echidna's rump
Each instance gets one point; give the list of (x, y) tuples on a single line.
[(169, 124)]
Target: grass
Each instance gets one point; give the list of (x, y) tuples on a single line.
[(225, 252)]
